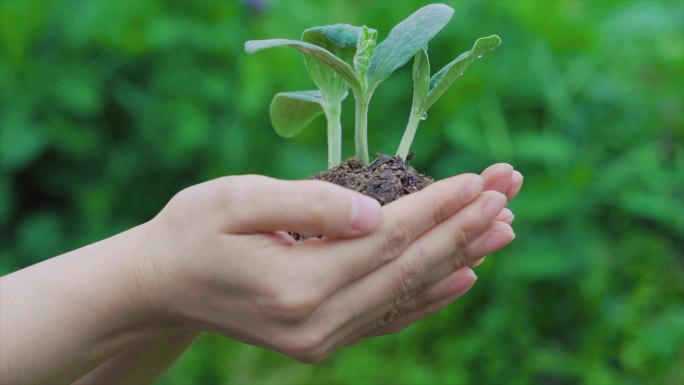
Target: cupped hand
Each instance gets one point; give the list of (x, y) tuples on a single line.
[(223, 262)]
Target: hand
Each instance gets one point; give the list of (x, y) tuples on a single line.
[(499, 177), (223, 263)]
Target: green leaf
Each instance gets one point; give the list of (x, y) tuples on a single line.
[(405, 39), (421, 84), (452, 71), (336, 64), (364, 51), (340, 40), (421, 77), (292, 111)]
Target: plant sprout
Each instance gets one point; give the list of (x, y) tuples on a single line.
[(341, 57)]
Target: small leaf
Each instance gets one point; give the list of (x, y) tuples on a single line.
[(336, 64), (292, 111), (340, 40), (421, 77), (364, 52), (441, 81), (405, 39)]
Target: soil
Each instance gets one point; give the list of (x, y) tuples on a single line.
[(387, 179)]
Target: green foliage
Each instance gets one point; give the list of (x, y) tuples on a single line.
[(404, 40), (291, 112), (426, 89), (109, 108), (371, 65)]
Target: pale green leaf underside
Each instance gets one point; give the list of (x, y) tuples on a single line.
[(342, 35), (325, 56), (340, 40), (441, 81), (421, 75), (405, 39), (291, 112)]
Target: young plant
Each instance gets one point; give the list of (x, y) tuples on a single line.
[(426, 89), (341, 57)]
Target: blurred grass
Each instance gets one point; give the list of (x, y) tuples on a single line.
[(107, 108)]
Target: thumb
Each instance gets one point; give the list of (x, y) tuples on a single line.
[(262, 204)]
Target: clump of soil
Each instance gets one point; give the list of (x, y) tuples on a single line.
[(387, 179)]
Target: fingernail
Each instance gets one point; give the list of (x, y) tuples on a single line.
[(494, 205), (365, 213), (462, 283), (498, 240), (473, 187), (507, 215), (517, 176)]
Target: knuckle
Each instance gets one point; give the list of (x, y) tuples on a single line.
[(387, 318), (411, 275), (304, 345), (394, 328), (443, 208), (176, 212), (235, 186), (317, 201), (294, 305), (462, 238), (420, 301), (228, 193), (396, 239), (459, 261)]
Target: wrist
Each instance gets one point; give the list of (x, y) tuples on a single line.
[(87, 304), (151, 274)]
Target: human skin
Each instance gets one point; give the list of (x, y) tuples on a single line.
[(216, 259)]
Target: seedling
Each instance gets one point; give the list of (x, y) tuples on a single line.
[(340, 57)]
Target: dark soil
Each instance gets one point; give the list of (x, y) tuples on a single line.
[(387, 179)]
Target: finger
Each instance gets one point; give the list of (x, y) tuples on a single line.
[(498, 177), (403, 221), (506, 215), (496, 236), (378, 294), (448, 243), (424, 303), (516, 184), (255, 204), (499, 235)]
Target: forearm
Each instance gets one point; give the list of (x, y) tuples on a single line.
[(62, 317), (142, 364)]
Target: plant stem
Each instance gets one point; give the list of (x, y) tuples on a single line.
[(409, 133), (361, 127), (333, 112)]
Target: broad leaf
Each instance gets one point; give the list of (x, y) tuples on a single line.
[(292, 111), (405, 39), (340, 40), (452, 71), (336, 64)]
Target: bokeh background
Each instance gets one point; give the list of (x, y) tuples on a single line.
[(108, 108)]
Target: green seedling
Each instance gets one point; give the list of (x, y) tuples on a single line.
[(341, 57)]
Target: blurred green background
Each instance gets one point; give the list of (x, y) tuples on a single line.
[(108, 108)]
